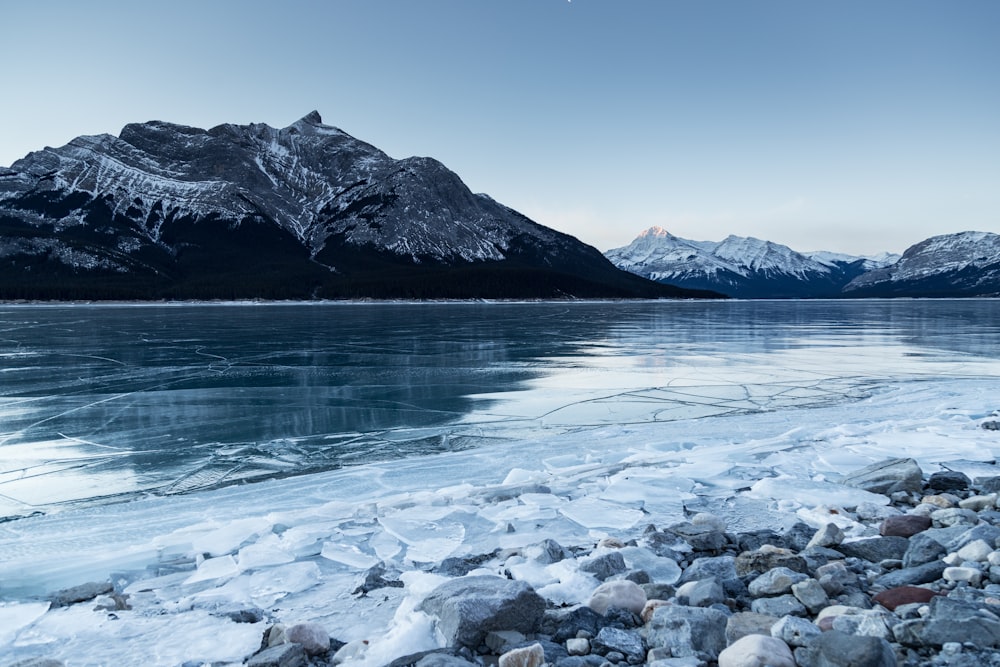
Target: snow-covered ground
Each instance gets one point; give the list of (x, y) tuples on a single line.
[(758, 439)]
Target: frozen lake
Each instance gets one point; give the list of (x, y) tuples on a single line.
[(404, 434), (99, 401)]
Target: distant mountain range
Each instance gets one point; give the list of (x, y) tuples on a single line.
[(954, 265), (249, 211)]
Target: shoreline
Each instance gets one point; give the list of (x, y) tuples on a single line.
[(296, 550)]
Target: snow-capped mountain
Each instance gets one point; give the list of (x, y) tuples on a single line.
[(738, 266), (963, 264), (165, 210)]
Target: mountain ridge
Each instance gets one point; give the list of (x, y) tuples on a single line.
[(951, 265), (250, 211)]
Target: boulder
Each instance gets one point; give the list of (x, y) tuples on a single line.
[(949, 480), (904, 525), (811, 594), (627, 642), (688, 631), (922, 549), (875, 549), (894, 597), (604, 566), (775, 582), (887, 477), (794, 631), (949, 621), (720, 568), (469, 607), (838, 649), (757, 651), (746, 623), (620, 594), (313, 637), (282, 655), (703, 593), (767, 558), (782, 605), (81, 593), (912, 576), (828, 536)]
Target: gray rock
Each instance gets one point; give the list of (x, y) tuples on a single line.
[(570, 623), (469, 607), (990, 484), (700, 537), (886, 477), (581, 661), (835, 577), (866, 624), (827, 536), (80, 593), (783, 605), (703, 593), (811, 594), (720, 568), (950, 621), (746, 623), (775, 582), (438, 659), (794, 631), (688, 631), (313, 637), (501, 641), (912, 576), (605, 566), (875, 549), (767, 558), (627, 642), (39, 662), (985, 532), (282, 655), (923, 548), (991, 425), (948, 480), (954, 516), (837, 649)]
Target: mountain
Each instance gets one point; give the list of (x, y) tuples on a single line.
[(740, 267), (952, 265), (249, 211)]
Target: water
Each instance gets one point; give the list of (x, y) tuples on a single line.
[(104, 401)]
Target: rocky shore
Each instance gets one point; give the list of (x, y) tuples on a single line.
[(913, 580)]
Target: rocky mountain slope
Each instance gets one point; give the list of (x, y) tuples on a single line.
[(964, 264), (740, 267), (307, 211)]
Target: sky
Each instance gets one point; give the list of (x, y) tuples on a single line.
[(854, 126)]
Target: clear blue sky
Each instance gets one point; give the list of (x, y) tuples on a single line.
[(854, 125)]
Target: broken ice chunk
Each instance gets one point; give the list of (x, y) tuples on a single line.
[(214, 568), (590, 512), (348, 554)]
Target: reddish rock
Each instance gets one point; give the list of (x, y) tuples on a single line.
[(894, 597), (905, 525)]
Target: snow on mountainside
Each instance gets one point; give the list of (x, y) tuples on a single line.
[(737, 266), (306, 210), (963, 264)]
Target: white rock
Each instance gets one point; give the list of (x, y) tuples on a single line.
[(527, 656), (620, 593), (976, 551), (829, 535), (969, 574), (578, 646), (994, 558), (757, 651), (952, 559), (978, 503), (349, 651)]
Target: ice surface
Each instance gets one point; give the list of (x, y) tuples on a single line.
[(758, 437)]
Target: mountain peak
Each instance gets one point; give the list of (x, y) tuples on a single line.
[(312, 118)]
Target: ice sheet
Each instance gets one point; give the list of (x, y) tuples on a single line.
[(298, 547)]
